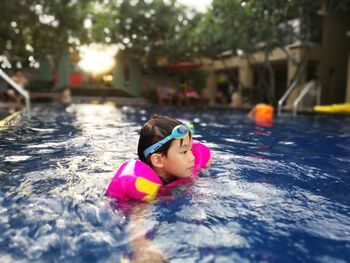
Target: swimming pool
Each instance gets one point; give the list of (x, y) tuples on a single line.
[(272, 194)]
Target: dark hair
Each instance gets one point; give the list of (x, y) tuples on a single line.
[(155, 129)]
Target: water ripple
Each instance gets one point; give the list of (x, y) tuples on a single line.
[(272, 194)]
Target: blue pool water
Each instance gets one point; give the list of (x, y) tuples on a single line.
[(272, 194)]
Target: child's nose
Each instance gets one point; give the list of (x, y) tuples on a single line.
[(191, 158)]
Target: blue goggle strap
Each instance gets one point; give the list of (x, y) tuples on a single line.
[(153, 148)]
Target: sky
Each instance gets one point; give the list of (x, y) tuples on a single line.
[(200, 5)]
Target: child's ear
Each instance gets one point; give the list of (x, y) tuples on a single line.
[(157, 160)]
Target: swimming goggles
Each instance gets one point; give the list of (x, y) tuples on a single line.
[(180, 131)]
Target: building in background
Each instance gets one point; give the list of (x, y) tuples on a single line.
[(327, 56)]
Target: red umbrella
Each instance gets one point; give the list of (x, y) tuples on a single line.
[(184, 66)]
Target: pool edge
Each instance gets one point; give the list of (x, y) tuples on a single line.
[(10, 120)]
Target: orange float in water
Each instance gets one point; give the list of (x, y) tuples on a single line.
[(262, 114)]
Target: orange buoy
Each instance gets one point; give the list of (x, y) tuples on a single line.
[(263, 112)]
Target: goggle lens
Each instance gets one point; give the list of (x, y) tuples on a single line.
[(181, 130)]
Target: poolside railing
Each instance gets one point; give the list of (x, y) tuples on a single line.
[(311, 84), (18, 87), (285, 96)]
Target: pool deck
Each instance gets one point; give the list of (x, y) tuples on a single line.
[(9, 120), (4, 112), (118, 101)]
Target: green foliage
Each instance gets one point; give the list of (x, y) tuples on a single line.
[(145, 30), (150, 30), (15, 16), (246, 26), (235, 27), (34, 27)]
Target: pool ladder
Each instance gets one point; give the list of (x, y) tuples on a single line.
[(308, 86), (20, 89)]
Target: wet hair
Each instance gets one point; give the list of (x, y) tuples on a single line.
[(154, 130)]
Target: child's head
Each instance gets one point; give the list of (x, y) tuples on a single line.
[(174, 157)]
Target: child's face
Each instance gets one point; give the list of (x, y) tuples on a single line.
[(179, 161)]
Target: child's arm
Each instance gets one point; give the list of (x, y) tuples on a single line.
[(143, 248), (134, 180), (251, 113), (202, 155)]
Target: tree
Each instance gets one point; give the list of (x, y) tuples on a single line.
[(146, 30), (13, 34), (36, 27), (238, 27)]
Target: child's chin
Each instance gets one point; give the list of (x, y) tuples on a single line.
[(187, 174)]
